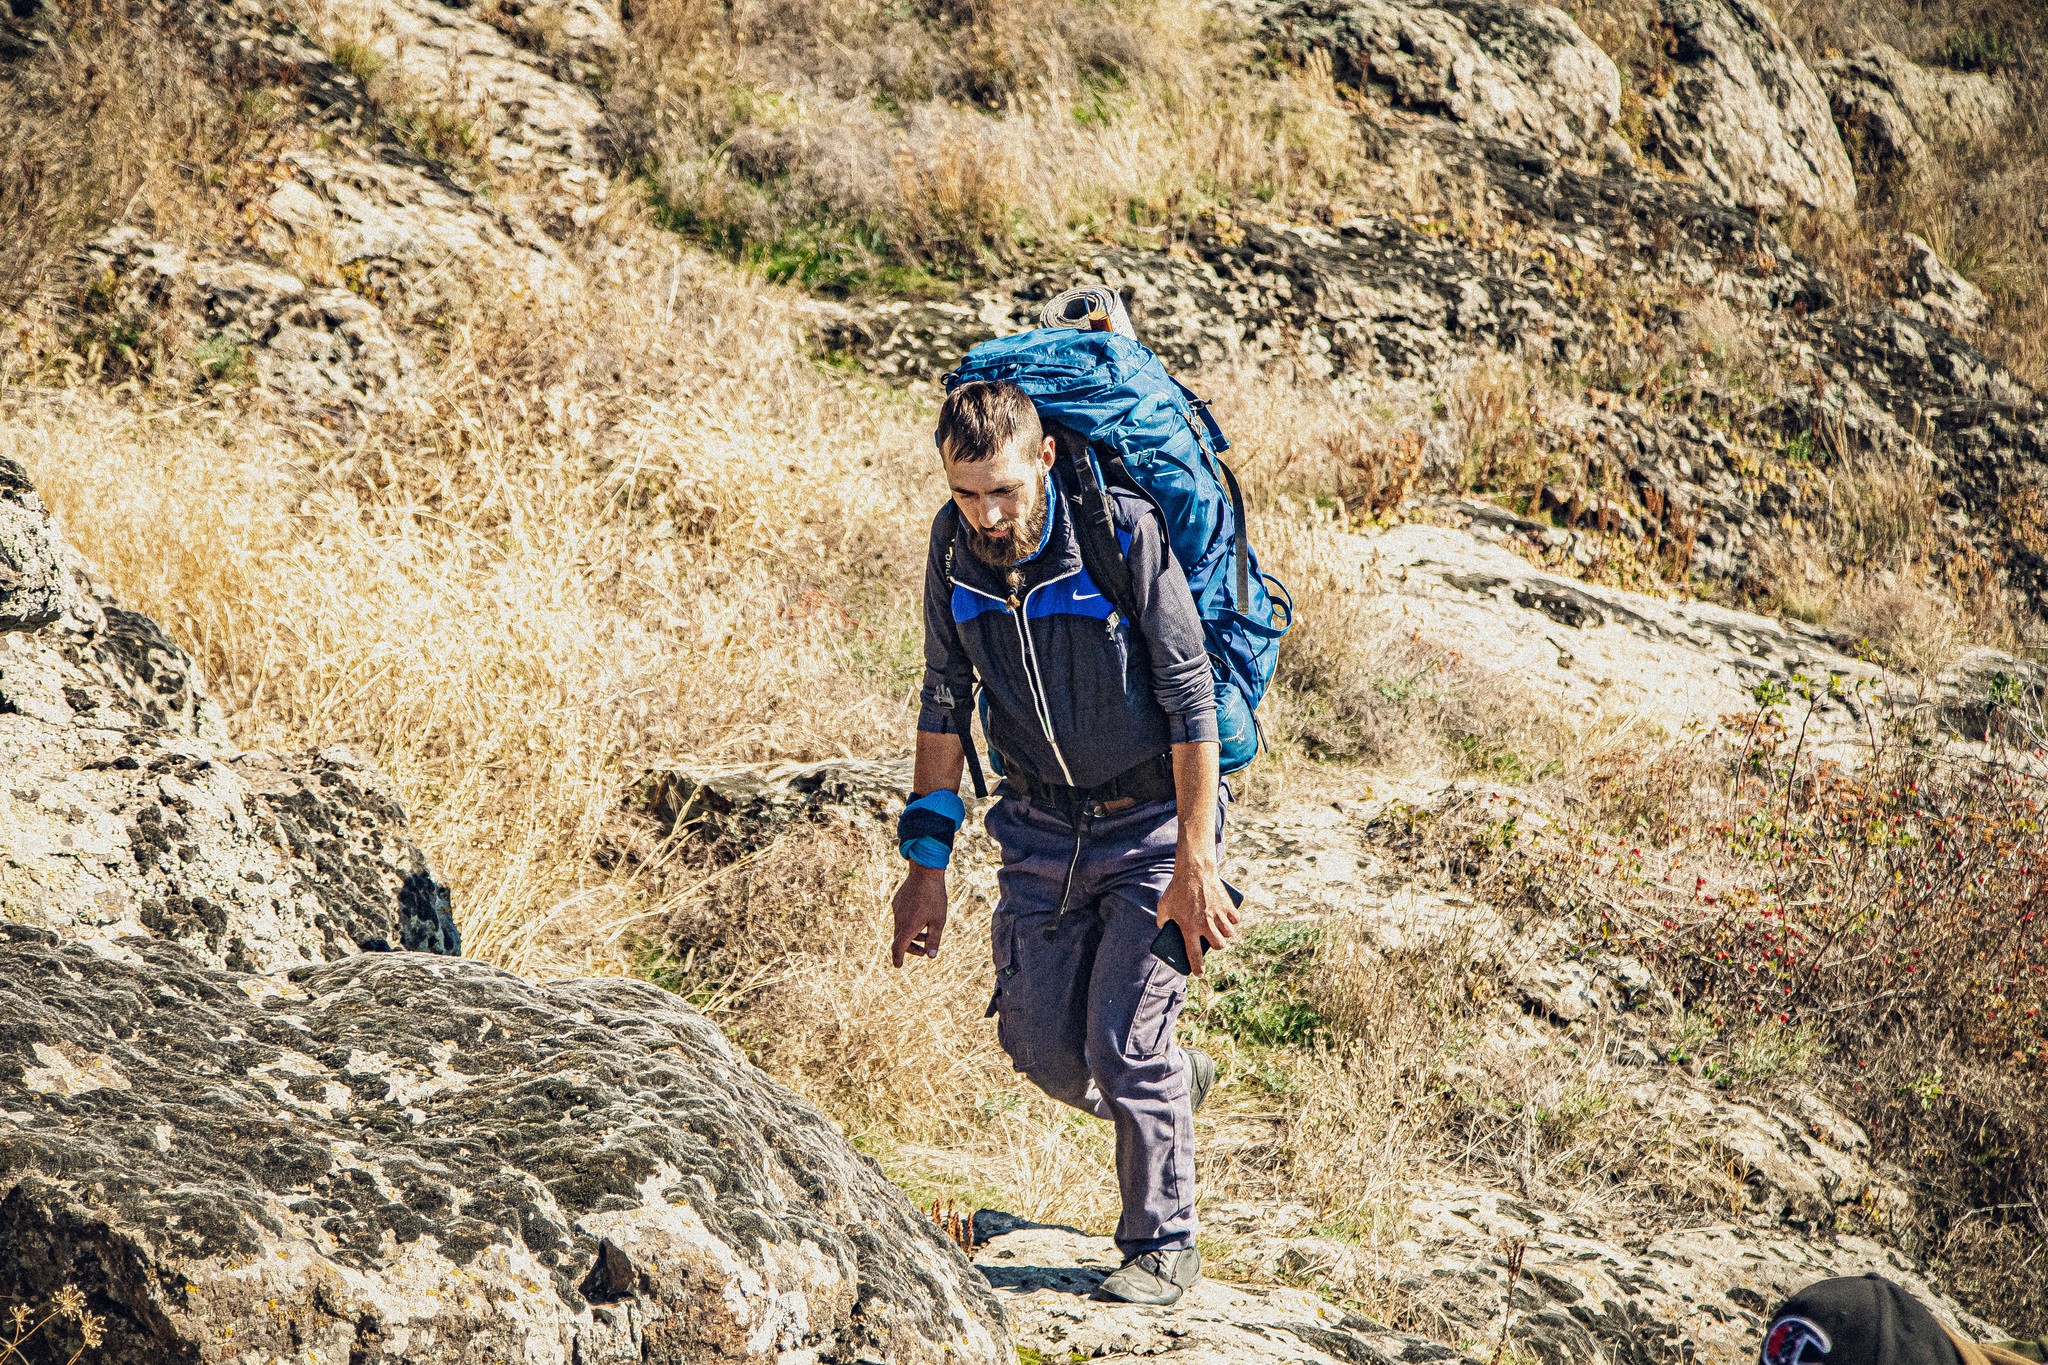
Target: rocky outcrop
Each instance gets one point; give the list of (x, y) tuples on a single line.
[(256, 324), (510, 79), (403, 1157), (1521, 73), (347, 247), (1894, 112), (1389, 306), (1742, 115), (35, 586), (125, 814), (1932, 290), (1596, 654), (747, 801)]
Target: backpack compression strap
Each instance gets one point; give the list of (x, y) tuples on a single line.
[(963, 706), (1094, 521), (1244, 565)]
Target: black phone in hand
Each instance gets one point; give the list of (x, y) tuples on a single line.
[(1171, 945)]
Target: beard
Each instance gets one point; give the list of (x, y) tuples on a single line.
[(1025, 531)]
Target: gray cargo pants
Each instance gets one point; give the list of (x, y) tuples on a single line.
[(1088, 1014)]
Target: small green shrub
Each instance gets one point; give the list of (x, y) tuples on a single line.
[(1257, 998), (357, 59), (223, 360), (1973, 49)]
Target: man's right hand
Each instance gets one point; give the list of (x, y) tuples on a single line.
[(920, 907)]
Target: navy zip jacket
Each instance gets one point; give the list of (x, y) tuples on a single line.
[(1076, 696)]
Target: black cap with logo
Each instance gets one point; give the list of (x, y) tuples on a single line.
[(1866, 1320)]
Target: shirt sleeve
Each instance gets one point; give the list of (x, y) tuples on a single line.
[(1172, 630), (948, 673)]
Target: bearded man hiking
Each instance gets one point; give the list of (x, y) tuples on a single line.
[(1104, 723)]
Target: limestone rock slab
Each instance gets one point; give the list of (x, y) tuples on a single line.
[(310, 346), (1521, 73), (35, 586), (1046, 1275), (404, 1157), (450, 63), (1744, 116), (126, 812), (1893, 112)]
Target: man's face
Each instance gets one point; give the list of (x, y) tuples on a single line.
[(1002, 500)]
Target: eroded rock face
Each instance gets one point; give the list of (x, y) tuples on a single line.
[(1891, 109), (124, 811), (1521, 73), (453, 64), (35, 587), (1387, 307), (403, 1157), (1744, 117)]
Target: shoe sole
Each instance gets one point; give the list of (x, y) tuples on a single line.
[(1100, 1297)]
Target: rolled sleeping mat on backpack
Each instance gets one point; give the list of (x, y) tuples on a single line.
[(1091, 307)]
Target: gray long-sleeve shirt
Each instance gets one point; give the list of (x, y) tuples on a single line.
[(1076, 695)]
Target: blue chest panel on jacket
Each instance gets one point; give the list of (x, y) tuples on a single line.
[(1076, 596)]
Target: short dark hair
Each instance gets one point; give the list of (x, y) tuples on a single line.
[(981, 418)]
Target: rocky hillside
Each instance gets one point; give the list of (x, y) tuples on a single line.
[(491, 447), (251, 1094)]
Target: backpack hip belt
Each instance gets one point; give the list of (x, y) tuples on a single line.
[(1151, 780)]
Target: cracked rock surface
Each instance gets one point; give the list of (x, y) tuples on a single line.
[(124, 810), (417, 1158)]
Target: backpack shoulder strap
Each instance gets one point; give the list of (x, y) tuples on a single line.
[(1094, 515), (962, 708)]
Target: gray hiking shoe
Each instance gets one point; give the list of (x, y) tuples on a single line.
[(1158, 1278), (1201, 1077)]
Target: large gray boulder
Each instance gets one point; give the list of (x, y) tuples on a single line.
[(125, 811), (1521, 73), (400, 1157), (1743, 115), (1894, 112)]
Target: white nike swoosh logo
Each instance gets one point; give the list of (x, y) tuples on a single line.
[(1083, 596)]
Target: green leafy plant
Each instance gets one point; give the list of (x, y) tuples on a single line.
[(1257, 997), (223, 360), (357, 59)]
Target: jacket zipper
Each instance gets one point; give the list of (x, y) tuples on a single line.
[(1030, 657), (1031, 671)]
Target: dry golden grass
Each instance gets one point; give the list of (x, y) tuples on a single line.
[(516, 594), (851, 146), (115, 120)]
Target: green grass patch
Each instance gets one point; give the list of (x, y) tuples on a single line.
[(838, 260), (357, 59), (224, 360), (1257, 999)]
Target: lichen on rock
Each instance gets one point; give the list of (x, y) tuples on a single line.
[(406, 1157)]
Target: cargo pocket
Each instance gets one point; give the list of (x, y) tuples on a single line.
[(1152, 1023), (1002, 936)]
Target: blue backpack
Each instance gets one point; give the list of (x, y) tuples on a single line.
[(1123, 421)]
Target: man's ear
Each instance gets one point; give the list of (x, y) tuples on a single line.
[(1046, 450)]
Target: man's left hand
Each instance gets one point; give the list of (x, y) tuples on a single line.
[(1196, 901)]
